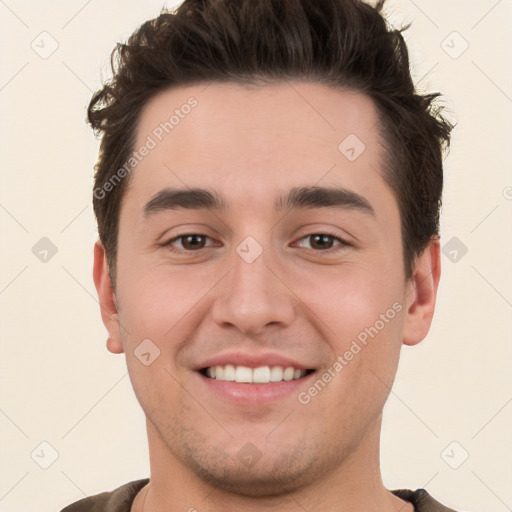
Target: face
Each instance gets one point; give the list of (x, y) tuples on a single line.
[(259, 242)]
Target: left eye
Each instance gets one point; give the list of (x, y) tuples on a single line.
[(322, 241)]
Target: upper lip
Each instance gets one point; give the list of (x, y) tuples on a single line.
[(252, 360)]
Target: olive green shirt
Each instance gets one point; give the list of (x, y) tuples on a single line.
[(121, 499)]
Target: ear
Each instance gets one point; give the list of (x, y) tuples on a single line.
[(421, 293), (107, 299)]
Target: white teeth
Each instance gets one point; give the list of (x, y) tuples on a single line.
[(288, 373), (260, 375), (243, 374), (276, 374), (229, 372)]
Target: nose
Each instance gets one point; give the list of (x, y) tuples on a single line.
[(253, 296)]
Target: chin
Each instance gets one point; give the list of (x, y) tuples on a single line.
[(248, 472), (269, 480)]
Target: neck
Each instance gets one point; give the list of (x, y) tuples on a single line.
[(356, 485)]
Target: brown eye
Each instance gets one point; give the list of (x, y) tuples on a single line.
[(322, 242), (191, 242)]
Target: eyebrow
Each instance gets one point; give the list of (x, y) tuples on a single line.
[(297, 198)]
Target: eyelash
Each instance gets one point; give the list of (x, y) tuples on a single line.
[(342, 245)]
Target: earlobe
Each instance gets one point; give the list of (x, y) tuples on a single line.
[(107, 299), (421, 294)]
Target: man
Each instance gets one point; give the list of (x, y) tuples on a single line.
[(267, 196)]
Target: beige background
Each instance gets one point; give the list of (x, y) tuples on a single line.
[(59, 384)]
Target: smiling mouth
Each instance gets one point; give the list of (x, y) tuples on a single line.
[(259, 375)]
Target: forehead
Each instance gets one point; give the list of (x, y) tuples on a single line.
[(252, 143)]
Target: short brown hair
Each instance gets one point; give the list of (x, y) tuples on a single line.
[(340, 43)]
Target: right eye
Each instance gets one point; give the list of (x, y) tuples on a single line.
[(191, 242)]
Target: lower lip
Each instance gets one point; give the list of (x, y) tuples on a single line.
[(255, 394)]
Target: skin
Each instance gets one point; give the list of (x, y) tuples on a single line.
[(252, 144)]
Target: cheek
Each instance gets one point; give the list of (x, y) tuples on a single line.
[(365, 360), (349, 300), (158, 309), (159, 302), (360, 313)]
